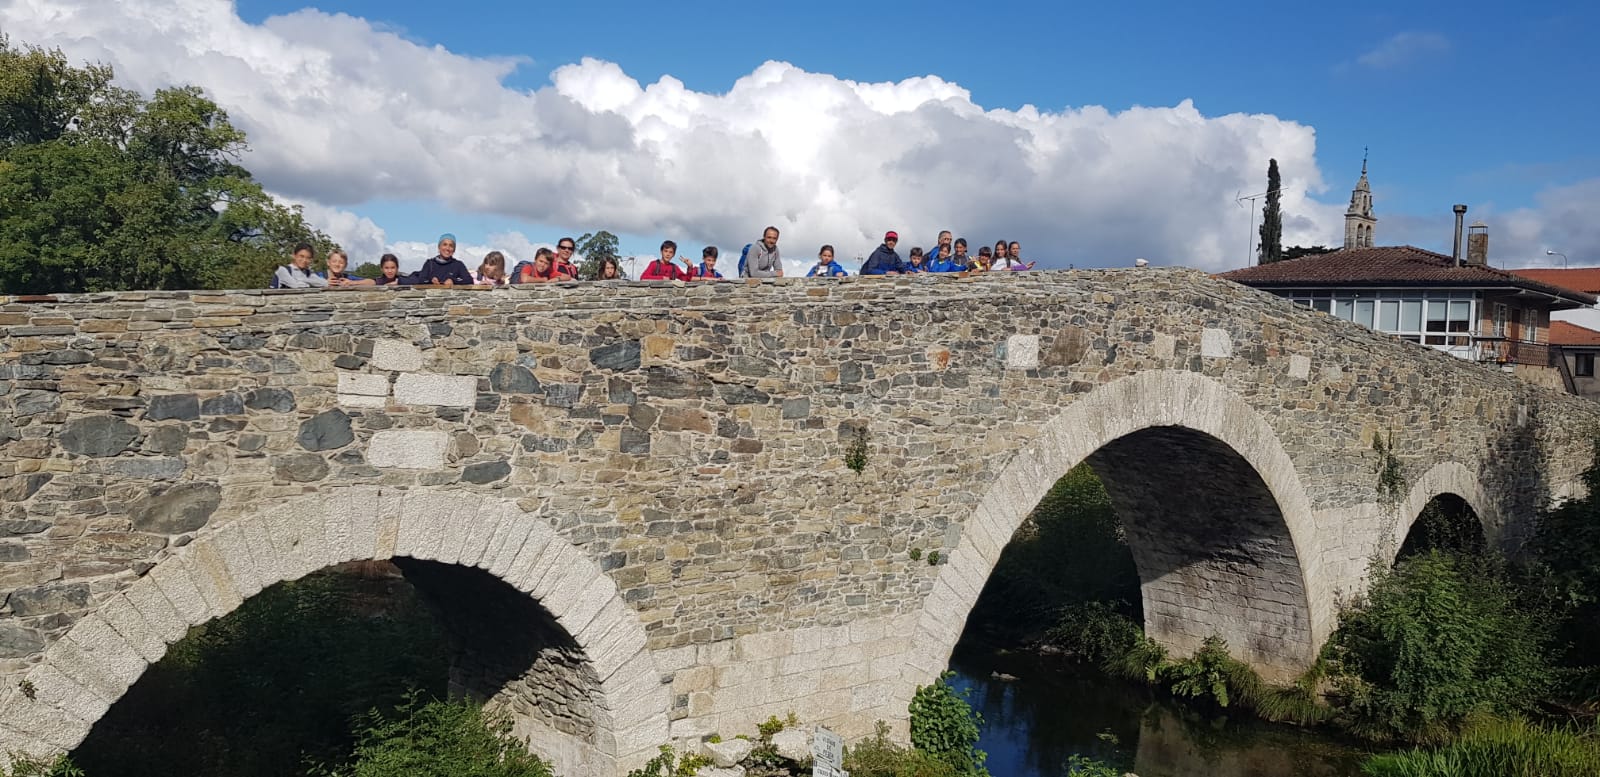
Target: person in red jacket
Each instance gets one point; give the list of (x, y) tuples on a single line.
[(664, 269)]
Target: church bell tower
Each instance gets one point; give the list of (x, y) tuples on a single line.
[(1358, 218)]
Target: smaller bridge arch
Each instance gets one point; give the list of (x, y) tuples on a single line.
[(1115, 425), (86, 671), (1445, 479)]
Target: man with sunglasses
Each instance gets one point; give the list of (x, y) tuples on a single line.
[(884, 259), (563, 269)]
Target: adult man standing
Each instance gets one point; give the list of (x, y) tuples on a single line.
[(763, 260), (884, 260), (444, 269), (942, 251)]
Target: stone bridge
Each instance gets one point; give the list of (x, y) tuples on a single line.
[(631, 502)]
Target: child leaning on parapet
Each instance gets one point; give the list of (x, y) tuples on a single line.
[(297, 274)]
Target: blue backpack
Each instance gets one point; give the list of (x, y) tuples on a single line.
[(743, 255)]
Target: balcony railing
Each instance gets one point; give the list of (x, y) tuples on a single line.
[(1502, 350)]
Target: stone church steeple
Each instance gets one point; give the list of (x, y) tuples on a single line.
[(1358, 218)]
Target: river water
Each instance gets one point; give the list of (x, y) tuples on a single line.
[(1054, 709)]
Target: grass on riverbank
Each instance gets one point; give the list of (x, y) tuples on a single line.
[(1498, 748)]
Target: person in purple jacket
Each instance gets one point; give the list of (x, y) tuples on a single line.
[(444, 269)]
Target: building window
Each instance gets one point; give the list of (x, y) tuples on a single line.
[(1500, 319), (1583, 365), (1442, 319)]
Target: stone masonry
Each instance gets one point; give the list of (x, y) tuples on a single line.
[(651, 477)]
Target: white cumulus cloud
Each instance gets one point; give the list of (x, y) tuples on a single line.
[(341, 112)]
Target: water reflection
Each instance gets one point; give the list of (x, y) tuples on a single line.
[(1054, 710)]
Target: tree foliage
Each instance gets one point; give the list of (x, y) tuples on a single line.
[(1272, 218), (276, 681), (593, 247), (1440, 638), (1071, 550), (106, 190)]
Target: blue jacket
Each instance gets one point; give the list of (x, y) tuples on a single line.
[(911, 266), (447, 270), (946, 265), (832, 270), (884, 260), (933, 256)]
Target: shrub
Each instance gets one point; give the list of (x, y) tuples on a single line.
[(1094, 631), (1498, 748), (1083, 766), (665, 765), (1203, 675), (437, 739), (945, 726), (24, 766), (1438, 639), (1143, 661), (881, 757)]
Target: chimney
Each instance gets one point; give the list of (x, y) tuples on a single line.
[(1478, 244), (1461, 214)]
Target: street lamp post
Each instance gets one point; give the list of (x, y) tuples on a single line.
[(1558, 253)]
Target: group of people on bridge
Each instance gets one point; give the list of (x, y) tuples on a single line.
[(760, 259)]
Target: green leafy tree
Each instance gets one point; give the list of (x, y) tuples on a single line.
[(593, 247), (1272, 218), (108, 191), (368, 270), (1439, 639)]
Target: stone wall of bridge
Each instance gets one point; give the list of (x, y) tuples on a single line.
[(679, 452)]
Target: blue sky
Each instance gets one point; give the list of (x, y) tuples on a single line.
[(1490, 104)]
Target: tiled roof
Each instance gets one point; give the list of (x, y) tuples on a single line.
[(1584, 279), (1390, 266), (1565, 333)]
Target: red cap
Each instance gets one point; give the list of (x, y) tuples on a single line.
[(890, 236)]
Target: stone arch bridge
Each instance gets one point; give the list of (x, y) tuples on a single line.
[(631, 501)]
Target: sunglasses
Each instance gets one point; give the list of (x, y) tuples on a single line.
[(566, 248)]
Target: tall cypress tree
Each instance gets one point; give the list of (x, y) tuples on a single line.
[(1272, 219)]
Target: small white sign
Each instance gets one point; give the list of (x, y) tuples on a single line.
[(827, 754)]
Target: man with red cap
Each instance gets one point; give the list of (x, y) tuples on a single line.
[(884, 260)]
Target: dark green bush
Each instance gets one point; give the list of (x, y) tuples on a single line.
[(945, 726), (881, 757), (437, 739), (1094, 631), (1440, 638)]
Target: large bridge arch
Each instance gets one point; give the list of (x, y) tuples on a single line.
[(104, 653), (1115, 424)]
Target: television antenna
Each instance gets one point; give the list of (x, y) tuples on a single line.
[(1249, 235)]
